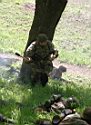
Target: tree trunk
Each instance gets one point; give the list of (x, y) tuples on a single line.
[(46, 18)]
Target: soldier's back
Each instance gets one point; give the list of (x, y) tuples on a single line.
[(73, 121)]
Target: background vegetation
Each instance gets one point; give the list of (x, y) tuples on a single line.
[(72, 39), (72, 35)]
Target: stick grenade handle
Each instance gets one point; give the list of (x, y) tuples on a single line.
[(25, 58)]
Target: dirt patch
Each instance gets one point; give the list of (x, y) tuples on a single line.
[(82, 71), (6, 60)]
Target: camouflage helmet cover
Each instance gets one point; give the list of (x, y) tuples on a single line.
[(42, 37), (72, 102)]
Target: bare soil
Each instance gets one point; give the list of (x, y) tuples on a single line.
[(6, 60), (76, 70)]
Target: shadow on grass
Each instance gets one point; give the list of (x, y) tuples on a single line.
[(39, 95), (33, 96)]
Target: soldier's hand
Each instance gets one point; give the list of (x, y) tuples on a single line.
[(56, 53), (27, 59), (52, 57)]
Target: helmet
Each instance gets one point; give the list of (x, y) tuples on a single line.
[(72, 103), (42, 37)]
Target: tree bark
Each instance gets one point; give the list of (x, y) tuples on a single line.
[(46, 17)]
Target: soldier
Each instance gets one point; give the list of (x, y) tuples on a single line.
[(74, 119), (57, 72), (60, 105), (70, 119), (41, 53), (87, 115)]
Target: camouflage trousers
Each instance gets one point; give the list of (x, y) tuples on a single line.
[(40, 67)]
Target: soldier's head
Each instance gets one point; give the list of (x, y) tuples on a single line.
[(56, 98), (42, 39), (72, 103), (87, 115), (62, 69)]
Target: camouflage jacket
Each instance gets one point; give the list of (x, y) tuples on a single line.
[(37, 53), (73, 119)]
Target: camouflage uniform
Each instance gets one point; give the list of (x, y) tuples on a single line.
[(73, 121), (41, 58), (77, 120), (57, 72)]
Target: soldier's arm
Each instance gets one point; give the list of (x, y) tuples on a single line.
[(26, 59), (54, 55), (53, 51), (30, 52)]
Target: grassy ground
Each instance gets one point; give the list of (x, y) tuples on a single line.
[(20, 100), (73, 40), (15, 21), (72, 35)]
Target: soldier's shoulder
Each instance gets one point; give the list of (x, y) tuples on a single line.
[(31, 46), (73, 121), (33, 43)]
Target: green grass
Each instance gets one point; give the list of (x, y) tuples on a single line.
[(73, 40), (72, 36), (18, 1), (78, 57), (20, 100), (15, 23)]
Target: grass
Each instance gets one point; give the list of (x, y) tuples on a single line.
[(72, 36), (15, 20), (73, 40), (20, 100)]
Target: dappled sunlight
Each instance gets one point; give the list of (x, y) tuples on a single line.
[(22, 99), (72, 38)]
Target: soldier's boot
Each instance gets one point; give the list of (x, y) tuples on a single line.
[(33, 82), (35, 79), (43, 79)]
